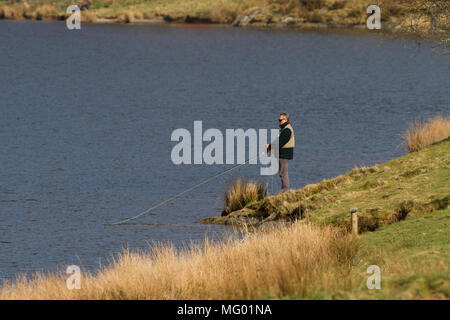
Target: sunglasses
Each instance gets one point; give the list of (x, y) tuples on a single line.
[(279, 120)]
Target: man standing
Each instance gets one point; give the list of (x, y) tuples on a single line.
[(286, 141)]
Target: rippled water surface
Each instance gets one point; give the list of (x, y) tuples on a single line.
[(86, 118)]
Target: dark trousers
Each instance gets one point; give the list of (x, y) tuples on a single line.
[(284, 174)]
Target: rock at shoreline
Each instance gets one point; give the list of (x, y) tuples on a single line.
[(255, 16), (247, 19), (289, 21)]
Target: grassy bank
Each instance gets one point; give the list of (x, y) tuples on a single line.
[(412, 185), (402, 15)]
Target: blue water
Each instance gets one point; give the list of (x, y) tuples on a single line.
[(86, 118)]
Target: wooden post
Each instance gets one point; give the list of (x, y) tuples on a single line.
[(354, 218)]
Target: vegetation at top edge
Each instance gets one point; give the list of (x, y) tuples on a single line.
[(407, 15)]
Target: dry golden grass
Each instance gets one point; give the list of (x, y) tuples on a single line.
[(6, 13), (240, 193), (406, 15), (20, 11), (126, 17), (138, 15), (422, 134), (311, 259), (88, 16), (44, 11)]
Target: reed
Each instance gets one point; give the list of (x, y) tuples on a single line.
[(241, 193), (296, 260), (422, 134)]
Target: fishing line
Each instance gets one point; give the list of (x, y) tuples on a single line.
[(181, 193)]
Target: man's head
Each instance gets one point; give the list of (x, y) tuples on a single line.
[(283, 118)]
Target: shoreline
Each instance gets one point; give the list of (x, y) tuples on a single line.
[(386, 26), (259, 18), (361, 29), (328, 16)]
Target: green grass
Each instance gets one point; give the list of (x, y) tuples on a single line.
[(415, 236), (414, 256)]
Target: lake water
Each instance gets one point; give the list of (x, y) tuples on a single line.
[(86, 119)]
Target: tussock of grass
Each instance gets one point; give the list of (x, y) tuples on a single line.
[(422, 134), (89, 17), (298, 260), (241, 193), (14, 12), (126, 17)]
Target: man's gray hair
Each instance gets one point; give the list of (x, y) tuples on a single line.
[(285, 114)]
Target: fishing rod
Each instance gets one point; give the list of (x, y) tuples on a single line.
[(181, 193)]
